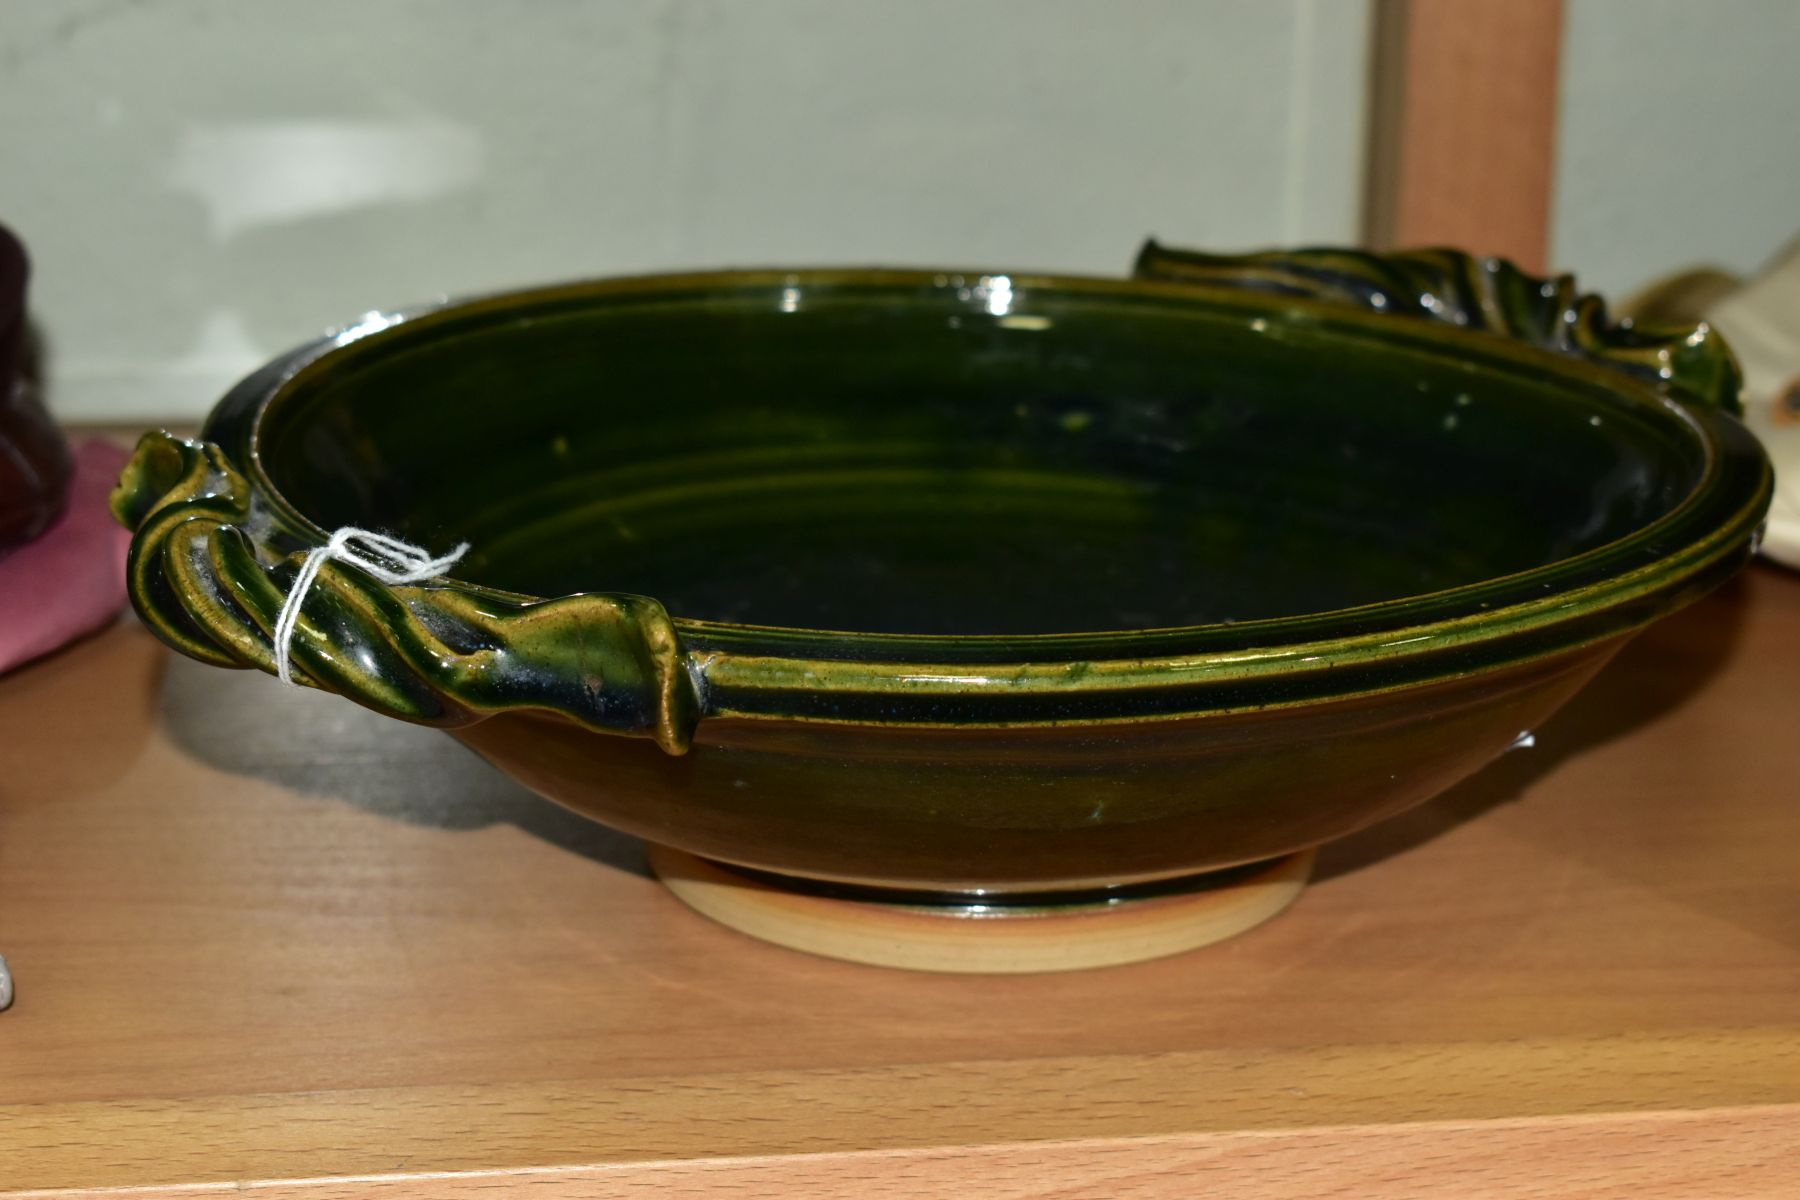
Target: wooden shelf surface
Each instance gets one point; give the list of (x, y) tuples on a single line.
[(263, 939)]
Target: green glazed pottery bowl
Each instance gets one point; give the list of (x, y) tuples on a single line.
[(873, 598)]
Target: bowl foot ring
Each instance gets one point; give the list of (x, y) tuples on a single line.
[(961, 937)]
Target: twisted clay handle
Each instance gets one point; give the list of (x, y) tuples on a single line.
[(202, 575), (1689, 362)]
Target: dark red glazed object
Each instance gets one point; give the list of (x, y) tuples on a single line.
[(34, 462)]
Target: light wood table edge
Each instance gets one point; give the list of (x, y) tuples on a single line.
[(1745, 1153), (1720, 1088)]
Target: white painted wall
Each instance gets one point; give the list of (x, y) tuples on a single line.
[(206, 182), (1679, 141)]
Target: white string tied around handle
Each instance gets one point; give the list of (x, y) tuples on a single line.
[(399, 562)]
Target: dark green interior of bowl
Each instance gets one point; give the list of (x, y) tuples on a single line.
[(939, 456)]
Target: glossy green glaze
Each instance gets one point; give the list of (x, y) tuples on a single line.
[(1485, 294), (972, 581)]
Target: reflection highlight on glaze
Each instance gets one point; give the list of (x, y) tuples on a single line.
[(998, 290), (254, 174)]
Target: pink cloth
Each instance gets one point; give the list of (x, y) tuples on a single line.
[(71, 579)]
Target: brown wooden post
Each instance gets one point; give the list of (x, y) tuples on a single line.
[(1464, 126)]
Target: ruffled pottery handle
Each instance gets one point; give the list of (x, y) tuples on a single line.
[(205, 579), (1689, 362)]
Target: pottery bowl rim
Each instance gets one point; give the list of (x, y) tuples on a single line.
[(924, 679)]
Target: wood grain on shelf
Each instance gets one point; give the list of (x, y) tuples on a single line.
[(261, 935)]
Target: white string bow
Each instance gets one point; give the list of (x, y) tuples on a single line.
[(399, 562)]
